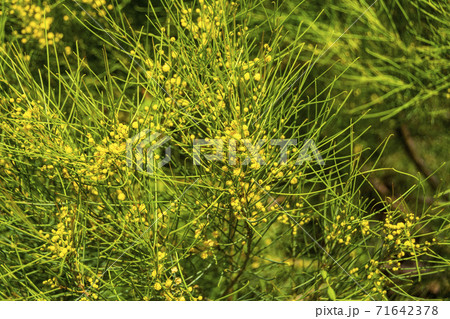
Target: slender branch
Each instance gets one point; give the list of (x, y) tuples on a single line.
[(389, 196), (418, 161), (229, 289)]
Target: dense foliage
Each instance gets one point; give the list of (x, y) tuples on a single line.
[(93, 92)]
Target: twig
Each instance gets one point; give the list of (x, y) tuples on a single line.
[(229, 290), (418, 161), (383, 190)]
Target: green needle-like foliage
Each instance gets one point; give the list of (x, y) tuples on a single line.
[(87, 212)]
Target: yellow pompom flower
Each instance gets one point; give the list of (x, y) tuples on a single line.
[(166, 68), (157, 286)]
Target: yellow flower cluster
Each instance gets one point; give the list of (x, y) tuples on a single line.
[(21, 125), (108, 156), (61, 239), (364, 227), (342, 229), (203, 24), (209, 19), (153, 116), (398, 234), (35, 21), (52, 282), (24, 127), (138, 214), (168, 282), (377, 277), (204, 249)]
